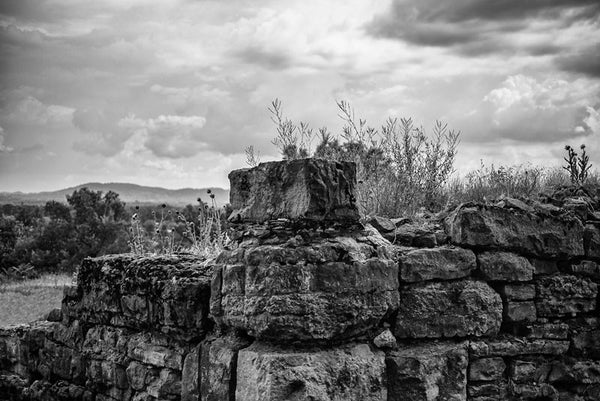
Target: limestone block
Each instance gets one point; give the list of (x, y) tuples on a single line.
[(428, 372), (218, 367), (512, 346), (486, 369), (139, 375), (535, 234), (311, 189), (592, 240), (536, 370), (326, 291), (504, 266), (454, 309), (166, 386), (523, 311), (585, 337), (541, 266), (587, 268), (551, 331), (443, 263), (190, 376), (518, 292), (348, 373), (565, 295), (488, 391)]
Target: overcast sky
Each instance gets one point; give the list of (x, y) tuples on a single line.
[(170, 92)]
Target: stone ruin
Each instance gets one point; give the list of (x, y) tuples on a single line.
[(489, 302)]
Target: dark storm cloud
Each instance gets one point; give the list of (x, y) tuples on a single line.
[(586, 61), (472, 26)]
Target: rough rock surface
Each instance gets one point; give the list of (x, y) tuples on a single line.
[(565, 295), (504, 266), (304, 302), (535, 234), (443, 263), (330, 290), (427, 373), (167, 292), (310, 189), (271, 373), (454, 309)]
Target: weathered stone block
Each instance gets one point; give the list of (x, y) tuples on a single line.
[(486, 369), (587, 268), (444, 263), (591, 237), (504, 266), (488, 391), (541, 266), (585, 337), (512, 346), (535, 234), (531, 370), (190, 376), (518, 292), (550, 331), (431, 372), (520, 311), (218, 361), (533, 392), (322, 292), (312, 189), (454, 309), (166, 386), (565, 295), (271, 373)]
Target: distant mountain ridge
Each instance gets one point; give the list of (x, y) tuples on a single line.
[(132, 194)]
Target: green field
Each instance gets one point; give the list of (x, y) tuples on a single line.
[(29, 300)]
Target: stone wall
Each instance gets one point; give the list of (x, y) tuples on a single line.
[(486, 302)]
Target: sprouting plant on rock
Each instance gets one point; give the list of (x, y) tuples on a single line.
[(578, 166)]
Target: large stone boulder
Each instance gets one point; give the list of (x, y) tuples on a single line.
[(345, 373), (311, 189), (454, 309), (531, 233), (428, 372), (333, 289)]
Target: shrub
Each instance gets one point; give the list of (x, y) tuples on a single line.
[(399, 167)]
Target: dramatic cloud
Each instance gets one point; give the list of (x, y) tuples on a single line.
[(171, 92), (526, 109), (585, 61), (474, 27)]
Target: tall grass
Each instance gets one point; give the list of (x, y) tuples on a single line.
[(488, 183)]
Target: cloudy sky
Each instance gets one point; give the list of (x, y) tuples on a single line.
[(170, 92)]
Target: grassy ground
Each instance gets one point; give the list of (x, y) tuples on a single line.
[(29, 300)]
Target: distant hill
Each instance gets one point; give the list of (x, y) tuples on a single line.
[(132, 194)]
